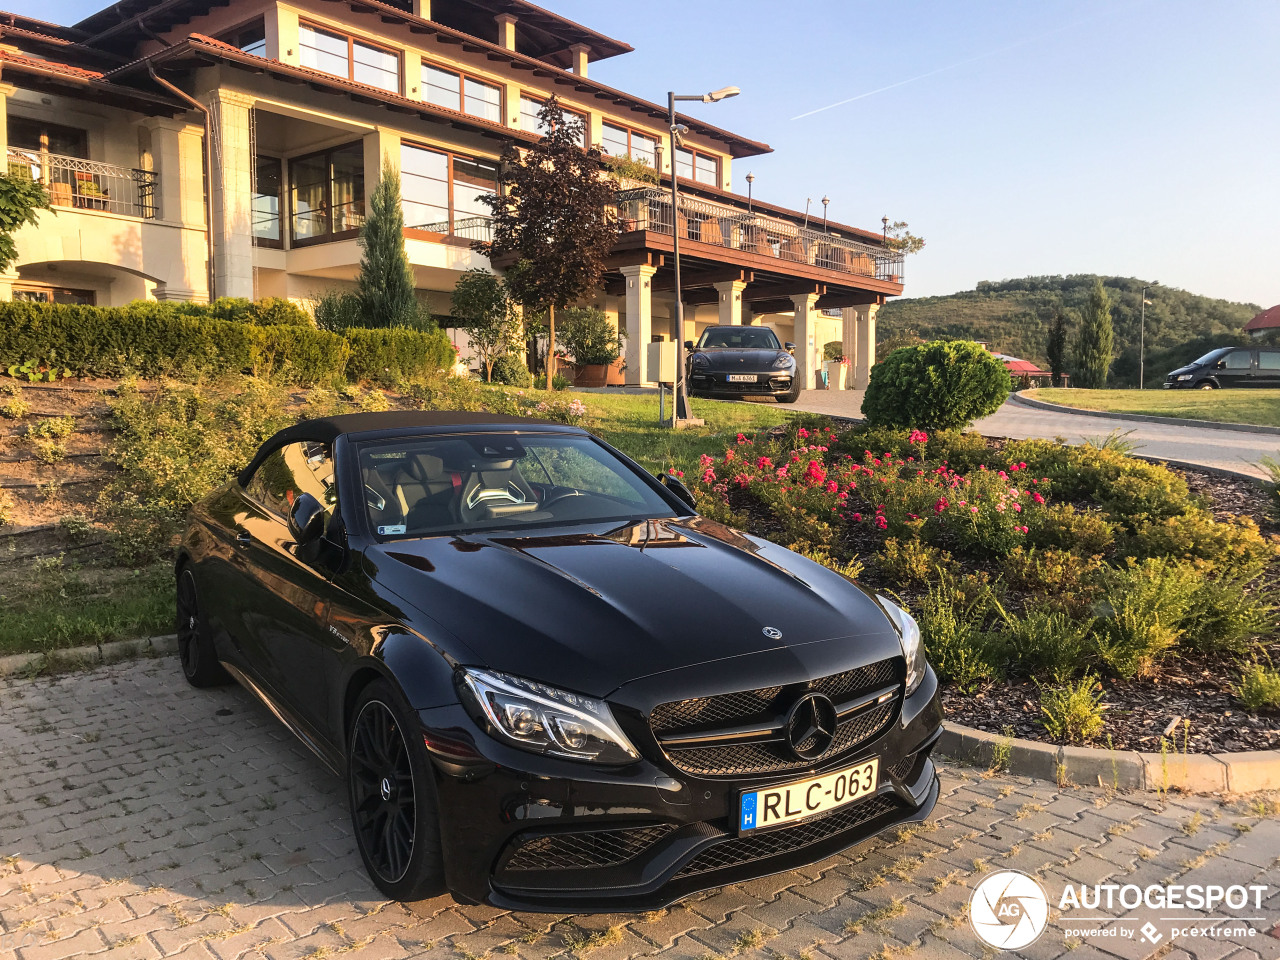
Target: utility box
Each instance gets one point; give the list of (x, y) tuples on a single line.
[(661, 361)]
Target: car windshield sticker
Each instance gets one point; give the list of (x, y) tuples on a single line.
[(391, 530)]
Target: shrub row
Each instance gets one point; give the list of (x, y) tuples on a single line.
[(190, 341)]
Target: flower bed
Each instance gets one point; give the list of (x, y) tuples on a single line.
[(1073, 594)]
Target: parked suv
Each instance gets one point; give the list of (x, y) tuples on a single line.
[(1229, 367)]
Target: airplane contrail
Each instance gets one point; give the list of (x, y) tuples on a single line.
[(960, 63)]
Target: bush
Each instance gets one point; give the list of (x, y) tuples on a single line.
[(833, 350), (1196, 535), (959, 648), (944, 385), (1229, 613), (1072, 712), (559, 382), (1064, 580), (510, 370), (1141, 610), (912, 561), (1047, 641), (389, 355), (1259, 688), (588, 335), (154, 339), (6, 508), (267, 312), (1061, 525)]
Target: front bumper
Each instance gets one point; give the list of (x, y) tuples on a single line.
[(527, 832), (771, 383)]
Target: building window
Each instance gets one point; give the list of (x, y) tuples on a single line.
[(623, 142), (529, 122), (37, 294), (251, 38), (344, 56), (698, 166), (267, 226), (37, 136), (457, 91), (326, 193), (441, 190)]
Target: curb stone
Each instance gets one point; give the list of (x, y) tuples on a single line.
[(1242, 772), (21, 663), (1144, 418)]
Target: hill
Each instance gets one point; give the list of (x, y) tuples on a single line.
[(1013, 316)]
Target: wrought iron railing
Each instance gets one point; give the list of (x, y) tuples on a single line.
[(649, 208), (466, 228), (89, 184)]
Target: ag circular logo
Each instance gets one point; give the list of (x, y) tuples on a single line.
[(1009, 910)]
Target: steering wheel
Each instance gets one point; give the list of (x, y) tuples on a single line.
[(562, 496)]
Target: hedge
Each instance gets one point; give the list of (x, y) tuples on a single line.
[(152, 339)]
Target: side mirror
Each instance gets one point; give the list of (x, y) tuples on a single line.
[(1220, 365), (306, 520), (688, 344), (677, 487), (790, 348)]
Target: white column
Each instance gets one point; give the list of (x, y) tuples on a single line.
[(379, 144), (866, 345), (422, 8), (506, 30), (805, 335), (639, 320), (730, 300), (232, 162), (580, 53), (282, 35), (849, 340)]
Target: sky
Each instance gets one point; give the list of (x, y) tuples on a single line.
[(1123, 137)]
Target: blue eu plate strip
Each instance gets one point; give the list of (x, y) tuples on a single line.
[(749, 811)]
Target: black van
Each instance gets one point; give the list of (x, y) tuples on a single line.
[(1229, 367)]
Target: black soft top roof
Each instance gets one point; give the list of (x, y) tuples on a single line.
[(391, 422)]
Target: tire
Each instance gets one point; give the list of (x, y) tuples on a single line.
[(1205, 385), (394, 811), (791, 397), (195, 647)]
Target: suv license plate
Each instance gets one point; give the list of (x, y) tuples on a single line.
[(789, 802), (741, 378)]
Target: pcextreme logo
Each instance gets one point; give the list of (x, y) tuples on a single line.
[(1009, 910)]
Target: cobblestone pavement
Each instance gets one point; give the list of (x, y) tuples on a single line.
[(1229, 449), (141, 818)]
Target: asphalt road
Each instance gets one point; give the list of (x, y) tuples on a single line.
[(1230, 449)]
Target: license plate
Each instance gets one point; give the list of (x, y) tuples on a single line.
[(741, 378), (789, 802)]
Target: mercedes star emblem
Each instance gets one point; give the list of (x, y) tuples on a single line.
[(773, 633), (811, 726)]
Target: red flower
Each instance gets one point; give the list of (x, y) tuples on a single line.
[(816, 472), (764, 463)]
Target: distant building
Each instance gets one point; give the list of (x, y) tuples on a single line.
[(1019, 368), (1266, 321)]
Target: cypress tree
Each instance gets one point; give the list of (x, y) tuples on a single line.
[(1056, 349), (1094, 341), (385, 286)]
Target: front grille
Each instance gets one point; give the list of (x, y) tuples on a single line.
[(767, 708), (579, 851), (740, 850)]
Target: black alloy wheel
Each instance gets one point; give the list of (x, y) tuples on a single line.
[(393, 809), (195, 650)]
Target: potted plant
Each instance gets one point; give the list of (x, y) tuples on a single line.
[(587, 334)]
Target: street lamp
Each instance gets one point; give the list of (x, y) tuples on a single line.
[(715, 96), (825, 201), (751, 178), (1142, 334), (885, 221)]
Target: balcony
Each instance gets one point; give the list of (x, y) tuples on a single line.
[(89, 184), (464, 228), (649, 208)]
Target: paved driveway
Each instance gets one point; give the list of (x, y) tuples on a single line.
[(141, 818), (1232, 449)]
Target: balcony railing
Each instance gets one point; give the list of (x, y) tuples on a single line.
[(89, 184), (465, 228), (648, 208)]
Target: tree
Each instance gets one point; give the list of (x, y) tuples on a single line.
[(899, 240), (21, 199), (385, 286), (1094, 343), (589, 336), (488, 316), (1056, 348), (552, 216)]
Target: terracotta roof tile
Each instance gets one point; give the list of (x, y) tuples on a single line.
[(49, 65), (1266, 320)]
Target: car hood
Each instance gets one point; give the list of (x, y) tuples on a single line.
[(732, 358), (593, 608), (1189, 368)]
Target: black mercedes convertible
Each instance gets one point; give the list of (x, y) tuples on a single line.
[(742, 361), (548, 683)]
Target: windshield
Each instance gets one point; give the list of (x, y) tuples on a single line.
[(430, 486), (752, 338), (1211, 356)]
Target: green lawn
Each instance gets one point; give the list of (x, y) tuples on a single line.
[(1229, 406)]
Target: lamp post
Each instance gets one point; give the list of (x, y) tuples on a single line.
[(885, 222), (825, 201), (751, 178), (1142, 335), (715, 96)]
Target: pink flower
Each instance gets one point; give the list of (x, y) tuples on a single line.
[(941, 505), (832, 486), (728, 455), (764, 463), (857, 518), (918, 436), (705, 461), (742, 438), (677, 473), (708, 476), (816, 473), (1037, 498), (802, 433), (882, 523), (973, 509)]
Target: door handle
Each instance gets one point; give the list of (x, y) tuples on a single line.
[(243, 538)]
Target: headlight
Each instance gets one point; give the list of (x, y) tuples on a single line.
[(543, 719), (1185, 376), (784, 360), (909, 636), (700, 360)]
